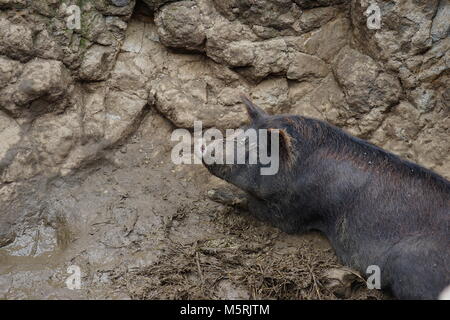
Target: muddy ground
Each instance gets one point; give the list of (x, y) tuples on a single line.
[(140, 227)]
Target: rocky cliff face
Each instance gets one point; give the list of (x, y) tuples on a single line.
[(68, 94)]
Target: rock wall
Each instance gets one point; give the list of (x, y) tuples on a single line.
[(68, 94)]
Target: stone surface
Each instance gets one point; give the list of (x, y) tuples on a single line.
[(365, 84), (97, 62), (16, 39), (304, 66), (120, 3), (43, 86), (440, 29), (9, 134), (179, 26)]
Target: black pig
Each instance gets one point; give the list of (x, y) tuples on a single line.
[(375, 208)]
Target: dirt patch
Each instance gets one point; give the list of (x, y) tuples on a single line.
[(252, 261)]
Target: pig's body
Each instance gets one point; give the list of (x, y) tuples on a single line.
[(375, 208)]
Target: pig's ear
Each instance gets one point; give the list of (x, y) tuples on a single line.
[(254, 112), (285, 148)]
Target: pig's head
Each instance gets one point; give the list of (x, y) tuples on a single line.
[(270, 145)]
